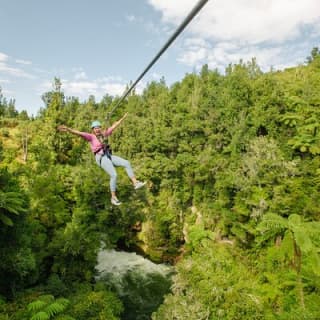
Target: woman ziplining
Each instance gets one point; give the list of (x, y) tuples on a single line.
[(98, 140), (98, 137)]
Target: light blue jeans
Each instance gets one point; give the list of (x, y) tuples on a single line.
[(109, 167)]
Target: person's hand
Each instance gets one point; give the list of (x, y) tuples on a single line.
[(63, 128)]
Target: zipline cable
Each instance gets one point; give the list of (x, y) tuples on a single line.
[(185, 22)]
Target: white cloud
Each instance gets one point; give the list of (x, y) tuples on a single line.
[(111, 79), (79, 88), (114, 89), (3, 57), (7, 93), (193, 56), (83, 89), (140, 87), (25, 62), (12, 71), (257, 21), (266, 56), (224, 53), (173, 11), (80, 75), (276, 32), (8, 70), (79, 85), (112, 85), (253, 21), (198, 42), (4, 81)]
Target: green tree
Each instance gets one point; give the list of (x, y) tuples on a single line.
[(302, 241), (315, 52), (97, 303)]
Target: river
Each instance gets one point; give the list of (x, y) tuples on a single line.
[(140, 283)]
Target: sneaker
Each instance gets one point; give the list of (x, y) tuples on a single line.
[(115, 201), (139, 184)]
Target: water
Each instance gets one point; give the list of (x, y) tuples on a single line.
[(140, 283)]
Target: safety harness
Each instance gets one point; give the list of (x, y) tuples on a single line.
[(105, 147)]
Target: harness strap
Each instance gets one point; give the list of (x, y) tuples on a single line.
[(106, 152)]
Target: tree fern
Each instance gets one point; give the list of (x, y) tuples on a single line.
[(302, 235), (10, 202), (271, 225), (46, 307)]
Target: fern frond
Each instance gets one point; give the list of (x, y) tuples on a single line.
[(272, 222), (57, 307), (303, 241), (40, 316), (63, 301), (294, 221), (313, 229), (6, 220), (314, 261), (36, 305), (12, 202)]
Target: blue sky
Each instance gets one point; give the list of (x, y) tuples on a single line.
[(98, 46)]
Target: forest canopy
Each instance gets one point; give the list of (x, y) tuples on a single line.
[(232, 200)]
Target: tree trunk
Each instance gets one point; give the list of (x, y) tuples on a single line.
[(297, 266)]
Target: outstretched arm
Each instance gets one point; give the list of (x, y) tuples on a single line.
[(117, 123), (63, 128)]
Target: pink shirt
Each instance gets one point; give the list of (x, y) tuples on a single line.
[(95, 144)]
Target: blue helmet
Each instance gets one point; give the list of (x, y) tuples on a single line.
[(95, 124)]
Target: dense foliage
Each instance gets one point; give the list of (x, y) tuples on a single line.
[(232, 164)]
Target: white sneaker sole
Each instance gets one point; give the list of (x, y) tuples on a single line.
[(140, 186)]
